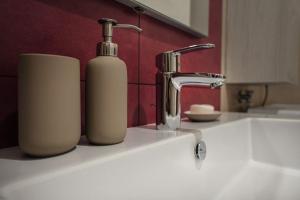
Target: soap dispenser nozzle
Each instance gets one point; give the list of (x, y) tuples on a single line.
[(107, 47)]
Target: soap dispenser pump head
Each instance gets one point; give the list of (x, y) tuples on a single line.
[(107, 47)]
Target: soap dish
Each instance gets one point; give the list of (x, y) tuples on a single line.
[(203, 117)]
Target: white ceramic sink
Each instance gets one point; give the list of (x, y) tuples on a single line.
[(260, 158), (278, 109), (246, 159)]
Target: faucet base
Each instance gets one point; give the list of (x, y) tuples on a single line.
[(171, 124)]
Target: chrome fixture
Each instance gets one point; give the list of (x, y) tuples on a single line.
[(171, 80), (244, 98), (200, 150)]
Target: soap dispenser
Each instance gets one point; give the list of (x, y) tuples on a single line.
[(106, 90)]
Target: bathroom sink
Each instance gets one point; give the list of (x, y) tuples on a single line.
[(251, 158), (255, 158), (295, 113), (278, 109)]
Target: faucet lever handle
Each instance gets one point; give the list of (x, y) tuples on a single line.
[(169, 61), (193, 48)]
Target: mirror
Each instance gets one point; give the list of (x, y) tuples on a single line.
[(189, 15)]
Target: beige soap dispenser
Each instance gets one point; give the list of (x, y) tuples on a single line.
[(106, 90)]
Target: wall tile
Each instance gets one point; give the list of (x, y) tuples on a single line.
[(158, 37), (147, 109), (189, 96), (8, 112), (199, 95), (70, 28), (208, 60), (132, 105), (63, 27)]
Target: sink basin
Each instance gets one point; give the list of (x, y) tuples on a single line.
[(278, 109), (255, 158), (250, 158), (289, 112)]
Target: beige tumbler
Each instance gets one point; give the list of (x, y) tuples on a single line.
[(49, 104)]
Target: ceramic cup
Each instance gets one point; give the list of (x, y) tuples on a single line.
[(48, 104)]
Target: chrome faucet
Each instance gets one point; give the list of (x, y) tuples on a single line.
[(171, 80)]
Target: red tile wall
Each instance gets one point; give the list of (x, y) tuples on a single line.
[(69, 27)]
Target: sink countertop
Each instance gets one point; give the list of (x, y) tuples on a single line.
[(15, 167)]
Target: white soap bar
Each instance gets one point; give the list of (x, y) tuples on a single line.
[(202, 108)]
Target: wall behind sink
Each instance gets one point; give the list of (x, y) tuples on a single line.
[(69, 27)]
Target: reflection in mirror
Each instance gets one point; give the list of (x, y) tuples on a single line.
[(188, 15)]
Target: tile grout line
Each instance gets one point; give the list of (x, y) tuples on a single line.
[(150, 84), (139, 81)]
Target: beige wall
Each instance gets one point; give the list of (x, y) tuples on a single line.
[(284, 94), (278, 93), (229, 96)]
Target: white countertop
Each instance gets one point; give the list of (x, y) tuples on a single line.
[(15, 167)]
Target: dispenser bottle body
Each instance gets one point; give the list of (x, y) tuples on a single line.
[(106, 100)]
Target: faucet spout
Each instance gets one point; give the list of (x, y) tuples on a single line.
[(197, 79), (171, 80)]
